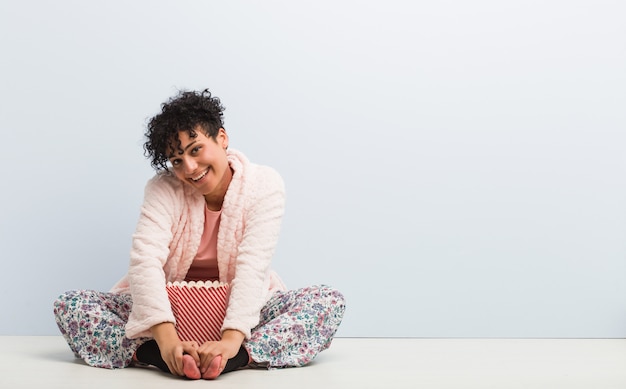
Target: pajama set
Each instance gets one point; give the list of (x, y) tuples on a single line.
[(281, 327)]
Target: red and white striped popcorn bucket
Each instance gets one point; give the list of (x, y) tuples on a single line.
[(199, 308)]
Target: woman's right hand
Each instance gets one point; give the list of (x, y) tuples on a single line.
[(172, 348)]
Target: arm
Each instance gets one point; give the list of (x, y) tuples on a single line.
[(262, 221), (149, 253)]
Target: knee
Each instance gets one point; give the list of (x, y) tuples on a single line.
[(64, 302), (69, 301), (69, 296), (332, 299)]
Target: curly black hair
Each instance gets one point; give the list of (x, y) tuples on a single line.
[(184, 112)]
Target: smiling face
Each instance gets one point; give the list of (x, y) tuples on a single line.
[(201, 162)]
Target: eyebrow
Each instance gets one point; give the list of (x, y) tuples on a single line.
[(186, 147)]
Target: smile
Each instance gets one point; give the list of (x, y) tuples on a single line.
[(201, 176)]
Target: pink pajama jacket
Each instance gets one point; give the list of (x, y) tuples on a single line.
[(168, 236)]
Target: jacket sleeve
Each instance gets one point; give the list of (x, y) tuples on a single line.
[(149, 253), (262, 221)]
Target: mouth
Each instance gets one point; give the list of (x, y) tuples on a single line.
[(199, 176)]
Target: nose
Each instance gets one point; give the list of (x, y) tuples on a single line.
[(189, 165)]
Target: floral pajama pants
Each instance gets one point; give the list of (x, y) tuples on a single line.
[(294, 326)]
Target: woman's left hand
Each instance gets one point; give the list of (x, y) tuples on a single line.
[(227, 347)]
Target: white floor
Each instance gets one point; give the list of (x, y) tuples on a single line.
[(46, 362)]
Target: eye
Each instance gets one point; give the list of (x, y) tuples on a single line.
[(195, 150), (175, 162)]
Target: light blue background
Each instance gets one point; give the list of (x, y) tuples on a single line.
[(456, 168)]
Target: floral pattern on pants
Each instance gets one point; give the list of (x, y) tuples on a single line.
[(294, 326), (93, 324)]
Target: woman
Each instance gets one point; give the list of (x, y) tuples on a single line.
[(208, 214)]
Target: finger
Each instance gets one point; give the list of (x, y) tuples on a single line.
[(171, 365), (178, 362), (192, 344), (223, 364), (194, 354), (205, 361), (206, 350)]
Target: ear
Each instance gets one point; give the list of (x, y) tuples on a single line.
[(222, 138)]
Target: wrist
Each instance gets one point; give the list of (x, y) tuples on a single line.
[(233, 336), (164, 333)]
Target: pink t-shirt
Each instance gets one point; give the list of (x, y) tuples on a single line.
[(204, 265)]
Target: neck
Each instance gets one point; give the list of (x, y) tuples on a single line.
[(215, 200)]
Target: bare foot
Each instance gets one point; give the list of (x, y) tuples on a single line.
[(214, 369), (190, 368)]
